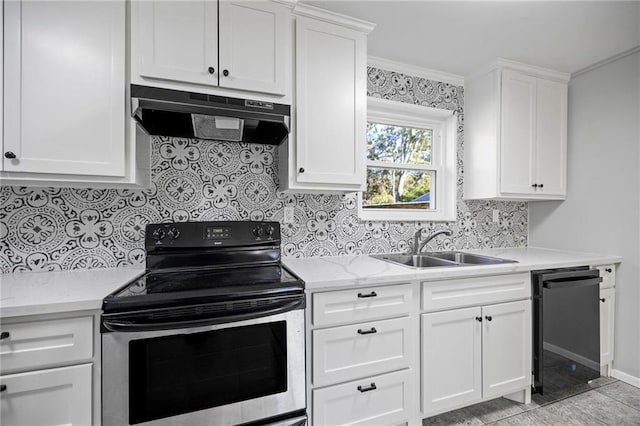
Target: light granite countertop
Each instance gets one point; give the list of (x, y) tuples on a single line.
[(57, 292), (38, 293), (341, 271)]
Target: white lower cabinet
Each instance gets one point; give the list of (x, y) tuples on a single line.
[(58, 396), (379, 400), (474, 354)]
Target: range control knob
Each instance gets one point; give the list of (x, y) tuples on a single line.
[(173, 233), (269, 230), (158, 234), (257, 232)]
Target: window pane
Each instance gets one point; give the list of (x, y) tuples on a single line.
[(398, 189), (398, 144)]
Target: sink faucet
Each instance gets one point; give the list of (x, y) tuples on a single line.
[(418, 246)]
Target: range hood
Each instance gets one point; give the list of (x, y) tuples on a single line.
[(166, 112)]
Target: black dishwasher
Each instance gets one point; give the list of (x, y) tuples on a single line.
[(566, 328)]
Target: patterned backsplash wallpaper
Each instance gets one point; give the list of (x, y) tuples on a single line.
[(48, 229)]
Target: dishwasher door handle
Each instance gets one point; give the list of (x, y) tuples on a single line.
[(554, 285)]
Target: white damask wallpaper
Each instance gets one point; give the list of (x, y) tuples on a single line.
[(48, 229)]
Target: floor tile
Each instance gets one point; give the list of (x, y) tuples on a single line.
[(495, 409), (457, 417), (552, 394), (565, 413), (601, 381), (622, 392), (523, 419), (606, 409)]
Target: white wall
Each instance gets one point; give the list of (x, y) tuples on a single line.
[(602, 211)]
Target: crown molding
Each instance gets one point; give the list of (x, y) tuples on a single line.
[(606, 61), (415, 71), (333, 18)]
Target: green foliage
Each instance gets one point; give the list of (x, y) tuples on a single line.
[(395, 144)]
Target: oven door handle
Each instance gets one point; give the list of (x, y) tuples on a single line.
[(552, 285), (134, 324)]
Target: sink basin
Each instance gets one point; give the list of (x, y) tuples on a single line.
[(468, 258), (439, 259)]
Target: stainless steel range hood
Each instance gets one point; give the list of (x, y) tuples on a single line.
[(166, 112)]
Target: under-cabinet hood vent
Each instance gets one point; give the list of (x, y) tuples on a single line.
[(166, 112)]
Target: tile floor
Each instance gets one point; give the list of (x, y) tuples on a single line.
[(605, 401)]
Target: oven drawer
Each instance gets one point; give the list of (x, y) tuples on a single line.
[(38, 344), (361, 304), (360, 350), (380, 400), (457, 293)]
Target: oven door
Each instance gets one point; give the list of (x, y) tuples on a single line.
[(223, 374)]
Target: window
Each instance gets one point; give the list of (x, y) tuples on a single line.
[(411, 163)]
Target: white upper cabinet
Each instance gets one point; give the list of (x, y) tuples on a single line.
[(327, 152), (64, 80), (516, 133), (241, 45)]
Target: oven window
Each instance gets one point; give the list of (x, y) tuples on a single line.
[(189, 372)]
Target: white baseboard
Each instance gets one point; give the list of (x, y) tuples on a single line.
[(627, 378), (571, 355)]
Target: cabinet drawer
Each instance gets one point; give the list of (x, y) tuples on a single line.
[(389, 403), (361, 304), (608, 274), (360, 350), (59, 396), (440, 295), (38, 344)]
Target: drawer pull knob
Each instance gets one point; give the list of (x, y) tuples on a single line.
[(4, 335), (608, 270), (602, 299), (479, 319), (372, 294), (373, 330), (211, 70), (488, 317), (3, 388), (10, 155), (371, 387)]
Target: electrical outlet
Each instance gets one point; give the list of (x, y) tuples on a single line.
[(288, 215), (496, 216)]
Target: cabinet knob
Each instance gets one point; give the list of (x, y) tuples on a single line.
[(211, 70), (4, 335), (301, 169), (535, 185), (10, 155), (3, 388), (479, 319), (225, 73), (488, 317), (540, 186), (602, 299), (608, 270)]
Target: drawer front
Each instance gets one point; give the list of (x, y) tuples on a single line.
[(59, 396), (441, 295), (608, 274), (361, 350), (38, 344), (361, 304), (389, 403)]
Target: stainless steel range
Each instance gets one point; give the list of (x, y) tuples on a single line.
[(212, 334)]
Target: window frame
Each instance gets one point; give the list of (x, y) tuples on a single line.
[(443, 159)]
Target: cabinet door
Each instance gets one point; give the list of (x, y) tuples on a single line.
[(517, 133), (255, 42), (331, 103), (451, 360), (551, 138), (64, 81), (506, 348), (607, 299), (60, 396), (178, 40)]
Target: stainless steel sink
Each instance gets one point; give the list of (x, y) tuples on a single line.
[(468, 258), (439, 259)]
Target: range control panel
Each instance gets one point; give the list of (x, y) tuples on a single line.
[(211, 234)]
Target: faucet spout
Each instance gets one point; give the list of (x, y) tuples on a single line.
[(419, 246)]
